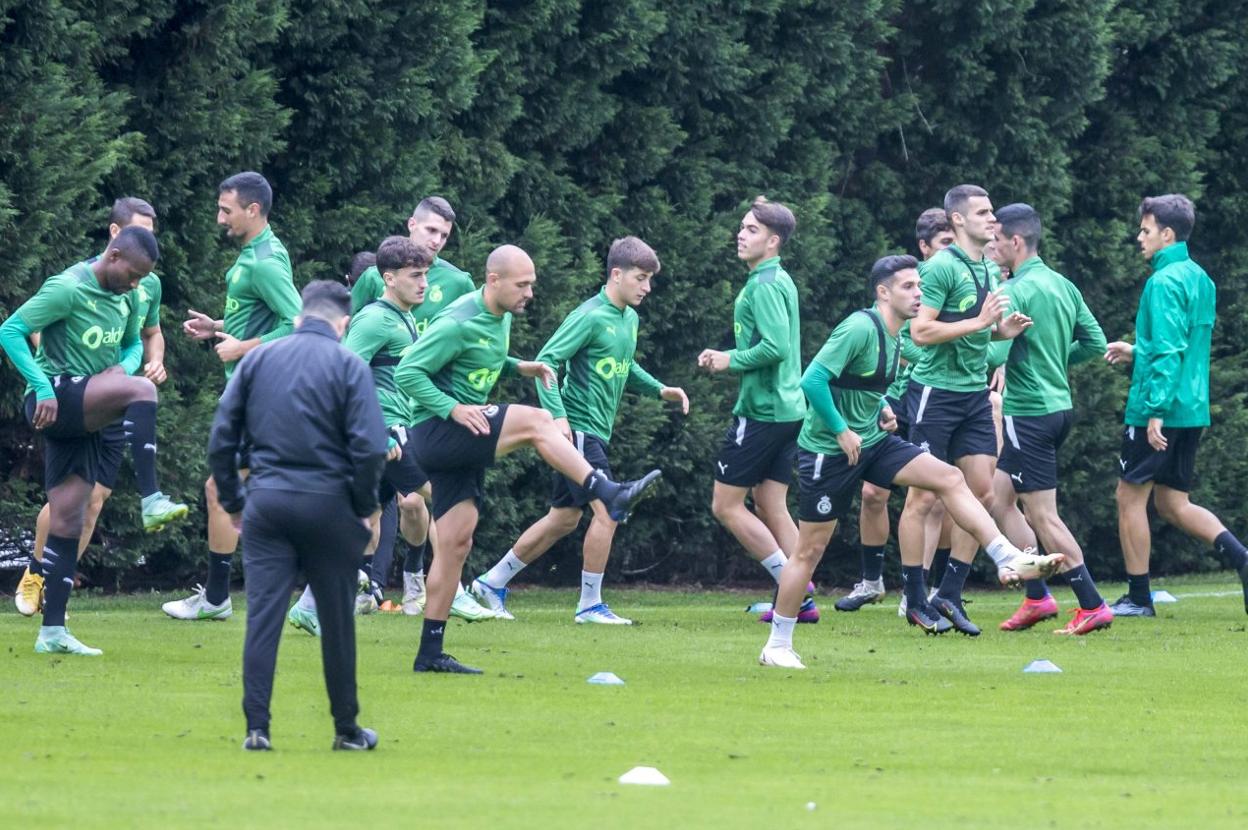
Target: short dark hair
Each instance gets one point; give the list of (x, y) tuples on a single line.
[(886, 267), (957, 197), (931, 223), (630, 252), (134, 241), (1174, 211), (326, 299), (361, 262), (435, 205), (396, 252), (251, 188), (1020, 219), (776, 217), (128, 207)]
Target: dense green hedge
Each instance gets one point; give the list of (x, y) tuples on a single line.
[(561, 124)]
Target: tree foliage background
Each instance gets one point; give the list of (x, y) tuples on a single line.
[(562, 124)]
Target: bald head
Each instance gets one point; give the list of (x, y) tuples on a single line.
[(509, 278)]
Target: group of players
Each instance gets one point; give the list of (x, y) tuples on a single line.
[(898, 395)]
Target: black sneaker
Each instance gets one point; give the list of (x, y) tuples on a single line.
[(956, 614), (444, 663), (257, 740), (361, 738), (1124, 607), (929, 619), (625, 499)]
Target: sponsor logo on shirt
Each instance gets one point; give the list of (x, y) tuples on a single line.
[(609, 367), (484, 378), (96, 336)]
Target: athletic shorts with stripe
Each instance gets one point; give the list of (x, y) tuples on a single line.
[(756, 450), (828, 483), (1029, 453), (1173, 467), (563, 493), (951, 425)]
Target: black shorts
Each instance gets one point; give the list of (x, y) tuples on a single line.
[(951, 425), (903, 417), (1029, 454), (756, 450), (827, 483), (403, 475), (563, 493), (455, 459), (68, 449), (112, 452), (1173, 467)]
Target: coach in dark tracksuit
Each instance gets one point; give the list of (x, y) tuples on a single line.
[(308, 409)]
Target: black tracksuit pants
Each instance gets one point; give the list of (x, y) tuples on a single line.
[(285, 532)]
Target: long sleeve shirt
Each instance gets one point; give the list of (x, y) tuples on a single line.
[(768, 353)]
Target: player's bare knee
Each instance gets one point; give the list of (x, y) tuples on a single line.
[(1169, 506), (564, 521), (724, 506), (142, 389), (874, 498)]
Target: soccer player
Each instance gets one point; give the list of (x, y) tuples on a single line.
[(948, 400), (932, 233), (1037, 413), (1168, 403), (379, 334), (457, 434), (260, 306), (846, 438), (596, 344), (78, 383), (757, 455), (128, 210), (429, 226)]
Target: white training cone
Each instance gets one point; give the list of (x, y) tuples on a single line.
[(1164, 596), (606, 678), (1042, 667), (648, 776)]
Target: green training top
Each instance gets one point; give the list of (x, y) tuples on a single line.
[(260, 296), (83, 327), (768, 355), (1173, 328), (380, 334), (597, 342), (446, 285), (910, 353), (852, 350), (458, 359), (954, 285), (147, 299), (1064, 332)]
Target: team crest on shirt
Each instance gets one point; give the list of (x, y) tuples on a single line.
[(435, 294), (824, 506)]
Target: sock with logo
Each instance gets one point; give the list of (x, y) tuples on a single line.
[(872, 562), (218, 589), (139, 422), (414, 561), (774, 564), (507, 567), (914, 585), (954, 580), (1227, 545), (1036, 589), (591, 590), (60, 555), (1138, 590), (431, 634), (940, 560), (1085, 589), (781, 635)]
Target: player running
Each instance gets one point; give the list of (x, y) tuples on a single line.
[(756, 458), (126, 211), (76, 384), (1038, 415), (260, 306), (846, 438), (596, 344), (380, 334), (449, 374), (1168, 403)]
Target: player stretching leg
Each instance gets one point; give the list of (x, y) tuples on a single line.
[(1037, 416), (756, 458), (596, 343), (1168, 404), (845, 439), (458, 435), (77, 384), (260, 306), (127, 211)]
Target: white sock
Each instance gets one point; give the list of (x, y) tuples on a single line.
[(307, 602), (1001, 550), (507, 567), (775, 564), (781, 631), (591, 590)]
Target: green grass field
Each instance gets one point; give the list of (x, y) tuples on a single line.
[(887, 728)]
